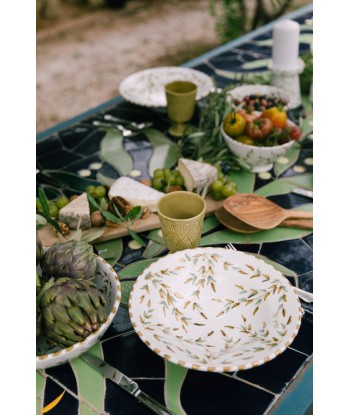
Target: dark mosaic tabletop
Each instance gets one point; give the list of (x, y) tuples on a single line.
[(281, 386)]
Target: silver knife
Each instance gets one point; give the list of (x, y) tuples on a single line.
[(303, 192), (124, 382)]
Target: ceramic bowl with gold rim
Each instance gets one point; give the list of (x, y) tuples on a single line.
[(107, 280), (214, 309)]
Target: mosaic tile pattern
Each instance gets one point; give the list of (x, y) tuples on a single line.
[(255, 391)]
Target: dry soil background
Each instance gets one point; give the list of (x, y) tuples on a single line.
[(82, 57)]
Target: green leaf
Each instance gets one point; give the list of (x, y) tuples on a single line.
[(71, 180), (292, 155), (306, 126), (261, 77), (92, 234), (245, 180), (174, 378), (136, 237), (165, 151), (111, 250), (136, 268), (41, 220), (51, 221), (112, 151), (111, 217), (126, 287), (92, 202), (286, 185), (44, 202), (76, 235), (153, 249), (134, 214), (209, 224), (273, 235)]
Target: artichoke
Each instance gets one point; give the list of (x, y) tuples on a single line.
[(71, 310), (39, 250), (38, 284), (73, 259)]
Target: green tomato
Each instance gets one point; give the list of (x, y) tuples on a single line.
[(90, 190), (217, 185), (158, 183), (100, 191), (228, 190), (53, 211), (217, 195), (62, 201), (158, 174)]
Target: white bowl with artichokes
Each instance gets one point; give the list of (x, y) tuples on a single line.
[(78, 295)]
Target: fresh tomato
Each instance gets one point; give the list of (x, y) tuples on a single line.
[(260, 128), (248, 115), (234, 124), (295, 133), (277, 115), (245, 139)]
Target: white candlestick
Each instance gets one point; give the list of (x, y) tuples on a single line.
[(285, 51)]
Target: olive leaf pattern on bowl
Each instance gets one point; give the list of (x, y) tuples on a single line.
[(213, 309)]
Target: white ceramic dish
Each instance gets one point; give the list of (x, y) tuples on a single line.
[(260, 159), (214, 309), (108, 281), (257, 89), (146, 88)]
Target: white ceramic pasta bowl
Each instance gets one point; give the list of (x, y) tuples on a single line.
[(106, 280), (214, 309), (270, 91)]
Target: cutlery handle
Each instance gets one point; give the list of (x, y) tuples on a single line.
[(152, 404), (298, 214)]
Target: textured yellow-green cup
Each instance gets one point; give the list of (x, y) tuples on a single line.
[(181, 101), (181, 216)]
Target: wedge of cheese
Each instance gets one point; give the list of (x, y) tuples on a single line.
[(135, 193), (198, 176), (77, 210)]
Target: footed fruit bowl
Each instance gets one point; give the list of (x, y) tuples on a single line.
[(107, 281)]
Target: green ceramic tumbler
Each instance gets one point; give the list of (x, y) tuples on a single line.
[(181, 216)]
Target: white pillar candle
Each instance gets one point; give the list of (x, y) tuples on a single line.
[(285, 50)]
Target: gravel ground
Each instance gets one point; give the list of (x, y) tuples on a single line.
[(82, 60)]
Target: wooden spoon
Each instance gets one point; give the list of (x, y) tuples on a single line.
[(259, 212), (236, 225)]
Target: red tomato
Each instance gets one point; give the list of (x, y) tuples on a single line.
[(295, 133), (260, 128), (277, 115), (249, 116)]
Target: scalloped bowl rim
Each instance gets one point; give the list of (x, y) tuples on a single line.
[(54, 358)]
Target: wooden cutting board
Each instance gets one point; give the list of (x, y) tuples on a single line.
[(48, 236)]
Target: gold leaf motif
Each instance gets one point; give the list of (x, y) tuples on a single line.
[(239, 286), (149, 303), (209, 334), (223, 333), (187, 303), (255, 311), (213, 287), (242, 272), (289, 320), (203, 315), (266, 295), (250, 267)]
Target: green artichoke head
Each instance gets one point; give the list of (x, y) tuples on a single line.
[(38, 320), (71, 310), (73, 259)]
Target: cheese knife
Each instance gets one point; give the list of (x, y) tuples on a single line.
[(125, 383)]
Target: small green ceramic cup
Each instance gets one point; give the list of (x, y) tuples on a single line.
[(181, 101), (181, 217)]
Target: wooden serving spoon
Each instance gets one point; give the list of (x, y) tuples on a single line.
[(259, 212), (236, 225)]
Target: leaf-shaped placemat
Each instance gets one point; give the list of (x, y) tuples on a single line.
[(292, 155), (136, 268), (259, 63), (126, 288), (92, 234), (284, 270), (174, 378), (111, 250), (91, 384), (105, 180), (165, 152), (262, 77), (71, 180), (273, 235), (153, 249), (156, 236), (306, 126), (40, 389), (286, 185), (112, 151), (307, 104), (209, 224), (245, 180)]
